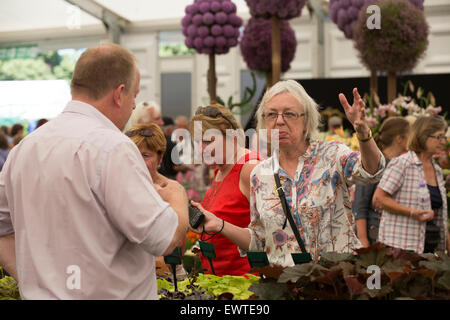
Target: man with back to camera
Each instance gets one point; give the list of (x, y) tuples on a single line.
[(78, 208)]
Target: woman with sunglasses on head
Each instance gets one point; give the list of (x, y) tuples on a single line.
[(151, 143), (391, 139), (228, 197), (314, 177), (412, 192)]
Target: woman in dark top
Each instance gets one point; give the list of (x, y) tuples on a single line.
[(391, 139)]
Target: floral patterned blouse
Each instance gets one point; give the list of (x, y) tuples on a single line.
[(318, 198)]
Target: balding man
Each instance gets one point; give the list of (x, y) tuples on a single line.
[(181, 122), (77, 203)]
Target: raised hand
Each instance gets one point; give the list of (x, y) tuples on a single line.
[(356, 113)]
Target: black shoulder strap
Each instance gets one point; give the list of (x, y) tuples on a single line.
[(288, 214)]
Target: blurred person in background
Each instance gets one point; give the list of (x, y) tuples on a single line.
[(412, 192), (334, 123), (17, 130), (41, 122), (5, 130), (181, 122), (170, 164), (4, 149), (391, 139), (144, 113)]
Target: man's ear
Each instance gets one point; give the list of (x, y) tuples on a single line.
[(118, 95)]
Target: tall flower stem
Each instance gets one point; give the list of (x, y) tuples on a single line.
[(392, 86), (212, 79), (276, 50)]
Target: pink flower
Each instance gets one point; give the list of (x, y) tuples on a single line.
[(433, 110), (179, 177), (371, 121)]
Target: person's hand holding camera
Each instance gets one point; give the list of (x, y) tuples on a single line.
[(211, 223)]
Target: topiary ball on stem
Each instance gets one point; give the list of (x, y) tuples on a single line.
[(256, 45), (211, 27), (401, 41), (283, 9), (345, 13)]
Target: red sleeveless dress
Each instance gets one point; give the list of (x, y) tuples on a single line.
[(226, 201)]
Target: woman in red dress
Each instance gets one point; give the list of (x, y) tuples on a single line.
[(228, 197)]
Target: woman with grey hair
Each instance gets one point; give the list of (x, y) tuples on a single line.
[(304, 182)]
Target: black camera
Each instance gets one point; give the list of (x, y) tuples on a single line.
[(195, 216)]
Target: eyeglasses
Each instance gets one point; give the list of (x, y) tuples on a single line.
[(287, 116), (142, 132), (213, 112), (439, 137)]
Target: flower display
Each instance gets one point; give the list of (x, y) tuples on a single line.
[(256, 46), (411, 103), (345, 13), (401, 41), (211, 27), (283, 9), (342, 136)]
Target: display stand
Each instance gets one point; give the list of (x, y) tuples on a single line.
[(174, 259)]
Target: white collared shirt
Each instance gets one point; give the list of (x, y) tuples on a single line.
[(81, 202)]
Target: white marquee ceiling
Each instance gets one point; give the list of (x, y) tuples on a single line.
[(19, 15)]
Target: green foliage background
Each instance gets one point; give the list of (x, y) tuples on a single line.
[(47, 66)]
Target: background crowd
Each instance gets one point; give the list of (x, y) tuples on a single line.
[(112, 168)]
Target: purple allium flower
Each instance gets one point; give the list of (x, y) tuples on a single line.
[(192, 31), (215, 6), (228, 30), (256, 45), (208, 18), (191, 9), (211, 26), (186, 20), (216, 30), (208, 41), (197, 19), (204, 7), (203, 31), (401, 41), (345, 13), (283, 9), (221, 17)]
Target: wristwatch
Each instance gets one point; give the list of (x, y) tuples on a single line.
[(366, 139)]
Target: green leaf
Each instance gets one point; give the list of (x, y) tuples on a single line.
[(419, 287), (378, 293), (268, 289), (444, 281), (336, 257), (329, 276), (433, 265), (354, 286), (301, 271)]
